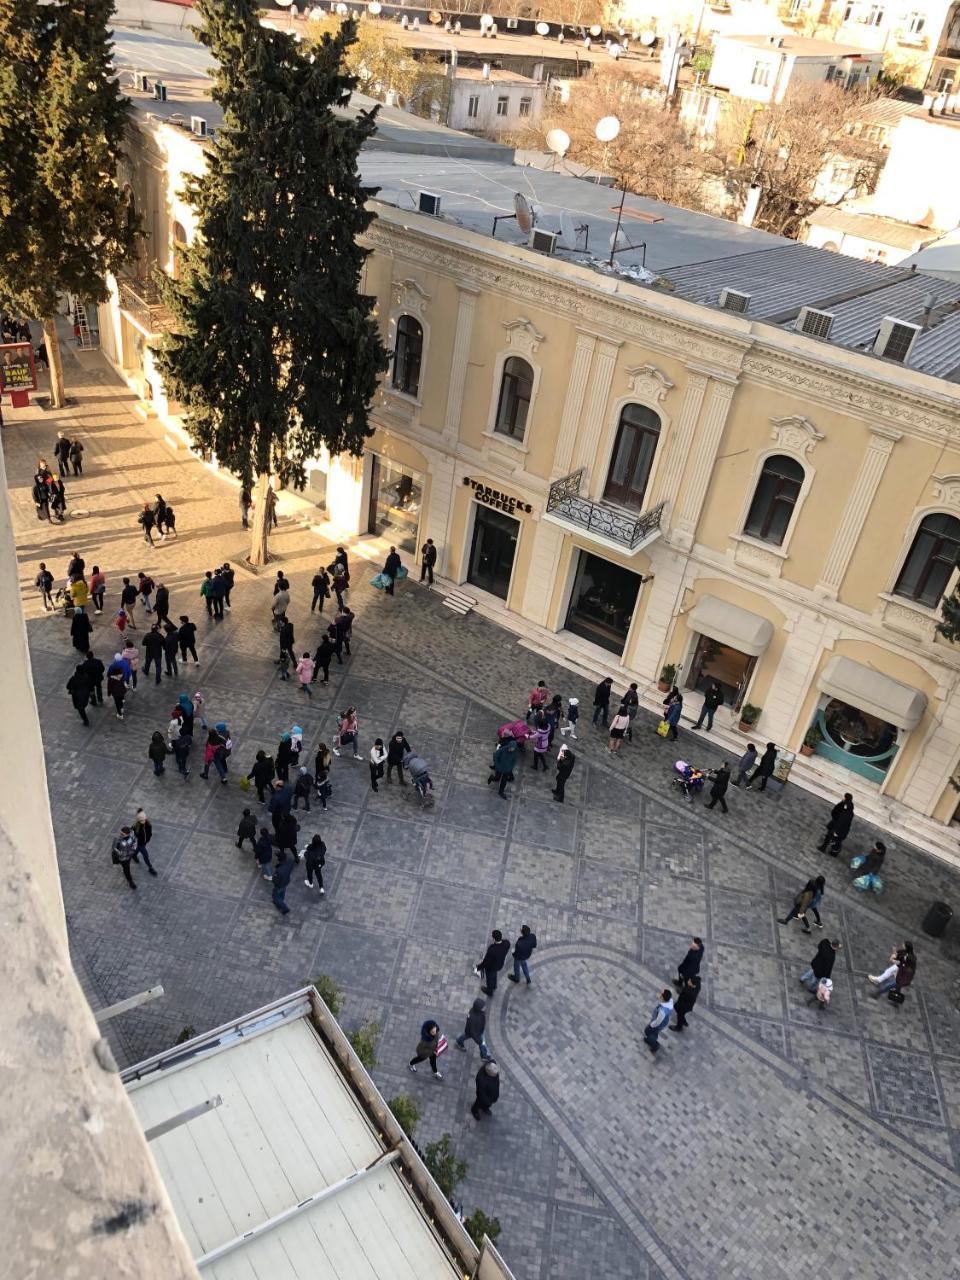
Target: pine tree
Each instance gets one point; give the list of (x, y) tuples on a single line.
[(274, 351), (68, 224), (949, 626)]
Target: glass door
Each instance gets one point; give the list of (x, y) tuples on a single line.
[(492, 551)]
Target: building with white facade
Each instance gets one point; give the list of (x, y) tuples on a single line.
[(765, 68), (487, 100)]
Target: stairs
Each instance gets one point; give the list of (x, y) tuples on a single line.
[(458, 602)]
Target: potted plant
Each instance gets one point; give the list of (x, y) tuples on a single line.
[(811, 741), (749, 715), (668, 674)]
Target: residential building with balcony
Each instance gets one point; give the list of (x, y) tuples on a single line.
[(914, 38), (765, 69)]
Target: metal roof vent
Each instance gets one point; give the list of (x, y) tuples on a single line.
[(543, 241), (159, 91), (895, 339), (814, 323), (427, 202), (734, 300), (198, 126)]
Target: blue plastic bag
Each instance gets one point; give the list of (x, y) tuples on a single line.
[(401, 573), (381, 581)]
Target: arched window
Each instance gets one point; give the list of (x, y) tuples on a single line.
[(407, 356), (179, 244), (516, 388), (774, 499), (932, 559), (637, 437)]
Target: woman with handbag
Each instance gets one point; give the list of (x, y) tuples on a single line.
[(800, 905), (348, 732), (430, 1044)]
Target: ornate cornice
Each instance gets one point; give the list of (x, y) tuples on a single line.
[(649, 382), (523, 335), (796, 433)]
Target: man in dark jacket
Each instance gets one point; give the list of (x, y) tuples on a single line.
[(712, 699), (601, 701), (280, 801), (161, 603), (764, 770), (228, 573), (718, 787), (838, 828), (94, 669), (263, 852), (391, 567), (344, 625), (503, 764), (493, 961), (128, 599), (78, 687), (685, 1002), (153, 648), (171, 646), (314, 860), (188, 639), (302, 787), (61, 451), (565, 762), (689, 966), (523, 949), (488, 1089), (286, 639), (428, 558), (322, 658), (474, 1028), (282, 872), (287, 828), (821, 966), (321, 589), (146, 520), (247, 830), (218, 589)]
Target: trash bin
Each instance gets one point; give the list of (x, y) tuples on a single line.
[(937, 919)]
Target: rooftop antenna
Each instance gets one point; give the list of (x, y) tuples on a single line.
[(542, 28), (523, 214), (569, 232), (606, 130), (619, 242), (558, 141)]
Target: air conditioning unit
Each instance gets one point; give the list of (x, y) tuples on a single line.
[(159, 92), (543, 241), (512, 24), (141, 82), (427, 202), (734, 300), (198, 126), (814, 323), (895, 339)]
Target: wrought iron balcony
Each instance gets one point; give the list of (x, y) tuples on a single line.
[(613, 524), (141, 298)]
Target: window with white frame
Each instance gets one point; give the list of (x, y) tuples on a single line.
[(473, 107), (874, 15), (915, 23), (408, 356), (503, 106), (516, 390), (774, 498), (525, 106), (761, 74), (931, 561)]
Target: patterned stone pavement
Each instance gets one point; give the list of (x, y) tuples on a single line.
[(768, 1140)]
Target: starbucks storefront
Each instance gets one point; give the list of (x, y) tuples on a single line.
[(602, 601)]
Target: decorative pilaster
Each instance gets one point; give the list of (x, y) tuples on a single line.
[(703, 455), (573, 402), (542, 573), (859, 502), (459, 361), (669, 484), (440, 506), (604, 367)]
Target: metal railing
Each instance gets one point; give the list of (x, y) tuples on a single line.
[(564, 500), (141, 297)]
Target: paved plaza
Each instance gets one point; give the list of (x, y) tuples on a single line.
[(770, 1140)]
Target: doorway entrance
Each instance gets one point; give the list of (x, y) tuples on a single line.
[(602, 602), (729, 667), (492, 551)]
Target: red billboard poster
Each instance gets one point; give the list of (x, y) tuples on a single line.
[(17, 369)]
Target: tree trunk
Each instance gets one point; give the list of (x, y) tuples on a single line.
[(52, 342), (259, 553)]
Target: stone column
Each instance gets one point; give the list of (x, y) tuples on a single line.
[(703, 455), (594, 419), (859, 501), (668, 487), (542, 573), (459, 361), (573, 402), (440, 506), (663, 600)]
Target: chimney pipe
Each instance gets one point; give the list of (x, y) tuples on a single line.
[(486, 71)]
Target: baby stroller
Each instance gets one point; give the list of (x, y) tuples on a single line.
[(63, 601), (688, 780), (420, 776)]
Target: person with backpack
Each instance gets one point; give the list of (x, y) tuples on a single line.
[(44, 584), (314, 860), (124, 851), (541, 743)]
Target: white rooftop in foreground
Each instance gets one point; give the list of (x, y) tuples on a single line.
[(289, 1126)]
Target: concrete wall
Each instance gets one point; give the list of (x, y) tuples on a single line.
[(919, 183)]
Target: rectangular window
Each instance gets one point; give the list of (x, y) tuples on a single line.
[(875, 16), (473, 108), (525, 105), (915, 23), (761, 74), (502, 105)]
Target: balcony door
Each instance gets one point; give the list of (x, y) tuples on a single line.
[(633, 455)]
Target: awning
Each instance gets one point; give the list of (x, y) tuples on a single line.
[(744, 631), (871, 691)]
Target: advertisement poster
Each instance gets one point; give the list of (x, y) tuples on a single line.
[(17, 369)]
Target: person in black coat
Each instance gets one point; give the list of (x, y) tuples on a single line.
[(188, 639), (493, 961), (262, 774), (838, 828), (565, 762), (764, 770), (601, 701), (397, 748), (171, 646), (321, 589), (523, 949), (821, 966), (718, 787), (161, 603), (282, 872), (428, 559), (284, 757), (712, 699), (286, 828), (78, 687), (391, 567), (81, 629), (689, 966), (153, 648), (322, 658), (286, 639), (474, 1028), (314, 860), (488, 1089), (343, 623), (247, 830), (685, 1001)]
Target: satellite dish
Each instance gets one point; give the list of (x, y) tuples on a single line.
[(375, 7), (317, 14), (596, 30), (648, 38), (524, 213), (341, 9), (401, 101), (618, 241), (558, 141), (285, 2), (543, 28), (607, 129), (615, 50), (568, 232), (436, 17), (486, 21)]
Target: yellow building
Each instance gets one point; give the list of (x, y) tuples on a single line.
[(741, 460)]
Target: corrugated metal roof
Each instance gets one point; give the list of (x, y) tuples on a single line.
[(856, 322), (886, 111), (870, 226), (938, 350)]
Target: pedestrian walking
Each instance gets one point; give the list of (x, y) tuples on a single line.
[(618, 729), (263, 852), (867, 867), (488, 1089), (78, 687), (262, 775), (271, 502), (821, 966), (143, 834), (397, 748), (206, 592), (246, 502), (285, 834), (286, 639), (95, 672), (689, 966), (170, 523), (541, 743), (145, 587), (281, 798), (158, 751), (348, 733), (305, 668), (391, 570), (659, 1019), (428, 558), (378, 756), (283, 665), (117, 685), (124, 851), (131, 656), (537, 699), (81, 629), (553, 713), (153, 651), (801, 902), (523, 949), (58, 499), (186, 711), (229, 577), (428, 1046), (321, 659), (340, 575), (282, 871), (630, 704), (61, 451), (160, 513), (573, 715), (79, 593), (247, 830), (146, 521), (216, 752), (718, 787), (314, 860), (474, 1028), (838, 828), (898, 975), (128, 600), (745, 764), (187, 637), (181, 745), (321, 775), (493, 961), (44, 584), (601, 701), (712, 699), (98, 587), (503, 763), (686, 999), (672, 710), (171, 647), (764, 770), (218, 591), (813, 907), (343, 625), (279, 606), (41, 497), (303, 788), (321, 589), (284, 757), (76, 457), (565, 762)]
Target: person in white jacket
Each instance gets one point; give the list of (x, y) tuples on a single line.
[(378, 756), (660, 1018)]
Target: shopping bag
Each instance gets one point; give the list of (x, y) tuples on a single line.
[(380, 581), (401, 573), (244, 783), (858, 861), (442, 1045), (663, 728)]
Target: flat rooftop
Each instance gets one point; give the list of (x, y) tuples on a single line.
[(802, 46)]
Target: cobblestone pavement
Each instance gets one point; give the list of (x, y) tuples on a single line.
[(768, 1140)]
